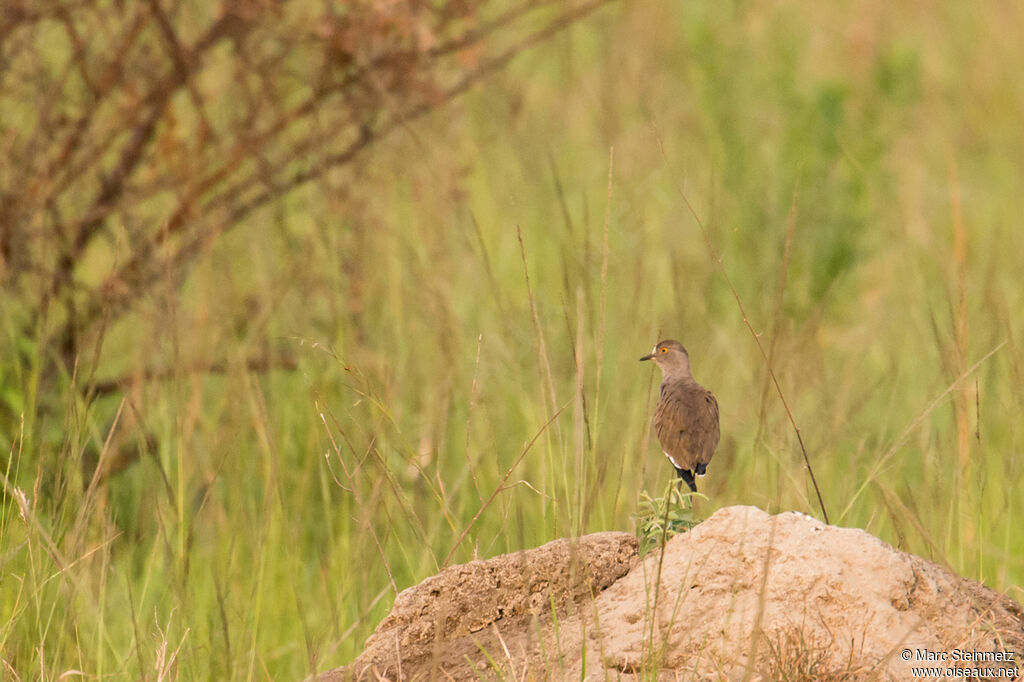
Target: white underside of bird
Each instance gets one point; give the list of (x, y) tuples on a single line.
[(677, 466)]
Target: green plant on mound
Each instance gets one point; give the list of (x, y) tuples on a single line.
[(660, 518)]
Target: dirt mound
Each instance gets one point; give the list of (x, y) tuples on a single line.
[(780, 596)]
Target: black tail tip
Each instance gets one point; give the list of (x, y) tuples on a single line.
[(687, 476)]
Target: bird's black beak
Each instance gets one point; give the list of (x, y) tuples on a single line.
[(647, 357)]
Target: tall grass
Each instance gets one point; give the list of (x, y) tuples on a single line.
[(467, 313)]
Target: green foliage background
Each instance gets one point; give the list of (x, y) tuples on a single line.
[(272, 516)]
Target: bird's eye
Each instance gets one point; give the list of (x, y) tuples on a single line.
[(663, 350)]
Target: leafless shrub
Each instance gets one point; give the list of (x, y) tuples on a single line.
[(134, 133)]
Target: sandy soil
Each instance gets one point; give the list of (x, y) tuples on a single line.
[(744, 595)]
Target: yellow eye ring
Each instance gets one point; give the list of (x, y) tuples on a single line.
[(663, 350)]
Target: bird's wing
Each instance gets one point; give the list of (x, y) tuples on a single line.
[(707, 417), (678, 424)]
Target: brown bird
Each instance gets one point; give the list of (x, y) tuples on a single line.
[(686, 419)]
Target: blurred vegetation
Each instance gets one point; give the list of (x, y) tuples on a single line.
[(253, 385)]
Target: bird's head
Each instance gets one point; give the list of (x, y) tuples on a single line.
[(671, 357)]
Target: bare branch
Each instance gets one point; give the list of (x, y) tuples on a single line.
[(172, 131)]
